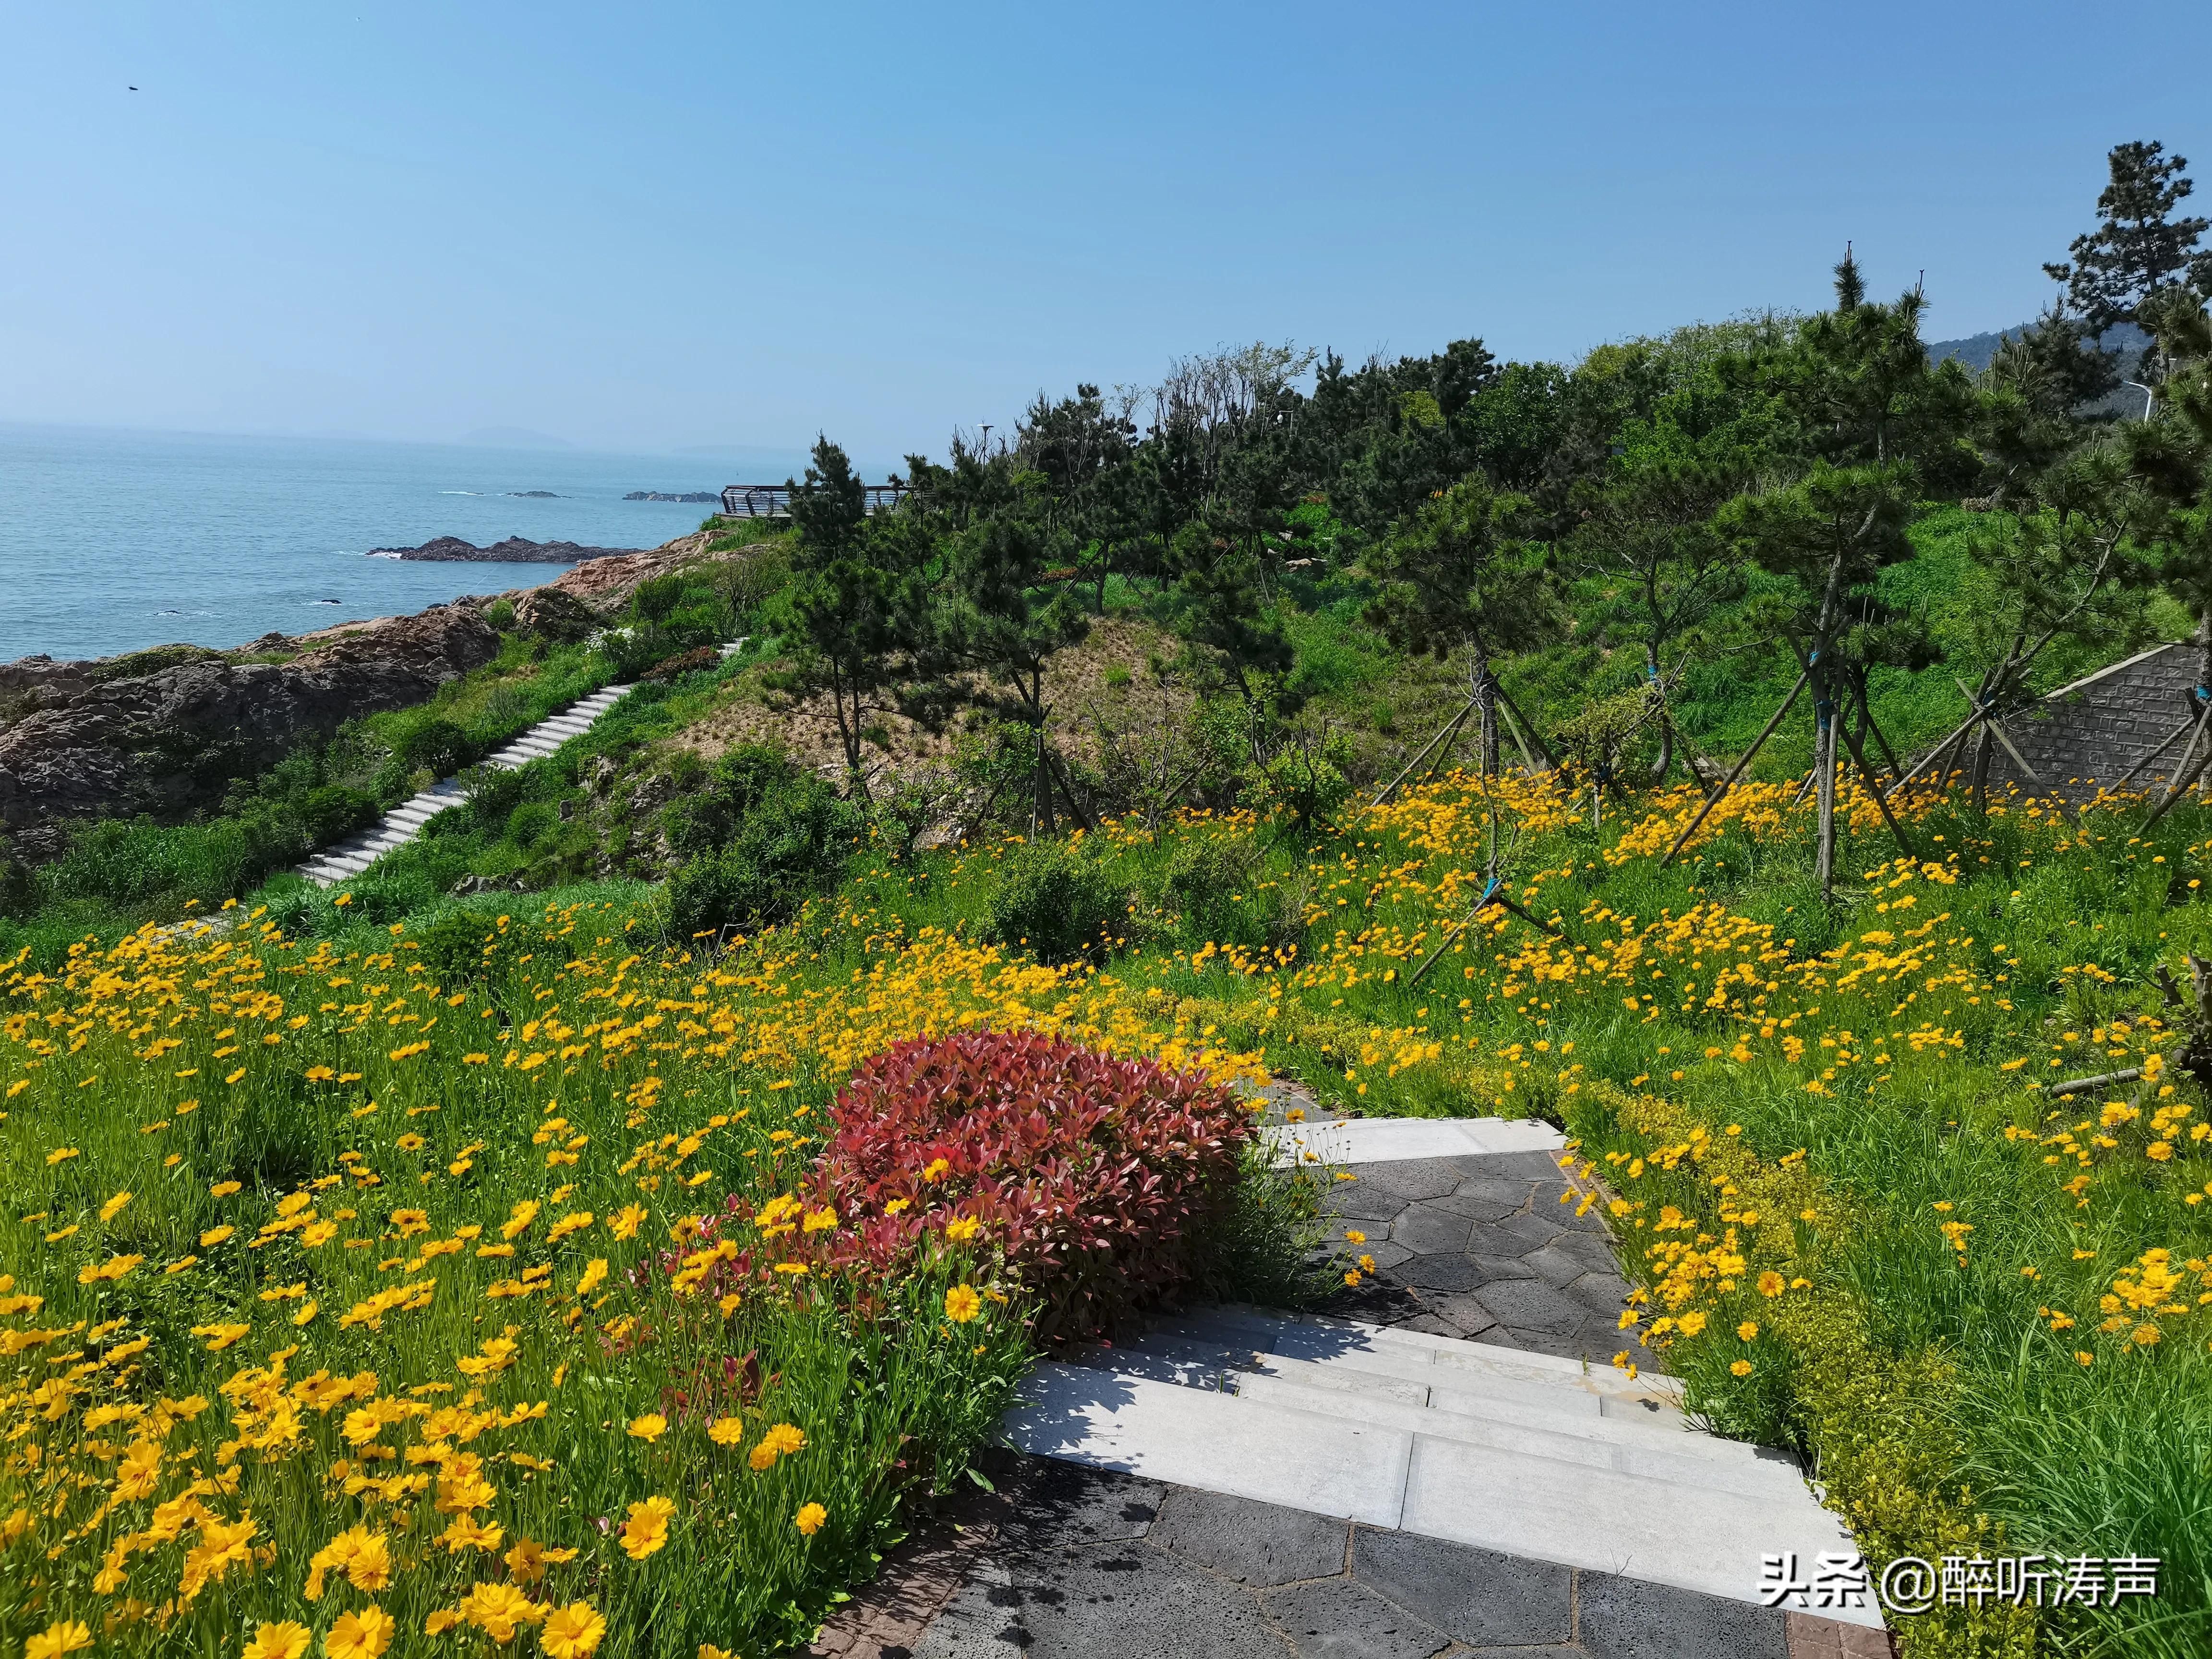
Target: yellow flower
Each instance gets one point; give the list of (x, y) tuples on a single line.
[(935, 1170), (284, 1641), (728, 1430), (963, 1228), (214, 1236), (466, 1532), (1353, 1236), (1692, 1323), (497, 1609), (572, 1632), (52, 1158), (224, 1188), (1741, 1368), (63, 1636), (113, 1206), (646, 1528), (780, 1441), (962, 1303), (440, 1621), (648, 1428), (1748, 1330), (624, 1222), (1771, 1283), (809, 1518), (595, 1270)]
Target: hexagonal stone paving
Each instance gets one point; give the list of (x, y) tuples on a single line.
[(1483, 1247), (1090, 1564)]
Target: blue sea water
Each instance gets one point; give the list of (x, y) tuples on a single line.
[(115, 540)]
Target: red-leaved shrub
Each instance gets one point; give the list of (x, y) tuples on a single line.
[(1092, 1176)]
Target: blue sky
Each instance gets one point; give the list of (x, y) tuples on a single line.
[(659, 226)]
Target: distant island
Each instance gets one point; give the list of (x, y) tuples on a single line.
[(534, 495), (515, 549), (656, 495)]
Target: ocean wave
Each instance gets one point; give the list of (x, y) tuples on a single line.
[(380, 556), (460, 492)]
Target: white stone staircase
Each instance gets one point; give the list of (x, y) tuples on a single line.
[(1500, 1447), (404, 822)]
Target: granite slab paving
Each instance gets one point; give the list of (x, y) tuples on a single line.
[(1064, 1562)]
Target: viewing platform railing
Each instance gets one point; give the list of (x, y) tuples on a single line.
[(774, 500)]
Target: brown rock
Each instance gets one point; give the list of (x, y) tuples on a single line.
[(168, 742), (554, 614)]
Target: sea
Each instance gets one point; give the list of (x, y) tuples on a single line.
[(114, 541)]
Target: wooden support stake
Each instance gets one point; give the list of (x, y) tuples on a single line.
[(1551, 760), (1457, 721), (1729, 782), (2151, 759)]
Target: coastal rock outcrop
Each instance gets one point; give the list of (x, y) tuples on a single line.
[(553, 614), (515, 549), (96, 741)]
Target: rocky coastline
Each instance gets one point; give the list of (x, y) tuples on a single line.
[(515, 549), (164, 731)]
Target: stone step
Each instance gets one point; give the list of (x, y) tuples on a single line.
[(1504, 1400), (1399, 1351), (404, 822), (1499, 1491), (1376, 1140), (1688, 1459)]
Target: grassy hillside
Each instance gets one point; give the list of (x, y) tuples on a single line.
[(1857, 1227)]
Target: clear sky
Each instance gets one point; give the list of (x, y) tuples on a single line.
[(654, 226)]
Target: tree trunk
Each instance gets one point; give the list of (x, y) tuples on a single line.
[(1824, 766), (1040, 818), (1984, 751), (1486, 699), (1665, 760)]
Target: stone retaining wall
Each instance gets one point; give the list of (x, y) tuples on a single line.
[(2097, 729)]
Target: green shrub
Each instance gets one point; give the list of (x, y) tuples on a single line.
[(435, 743), (456, 946), (529, 821), (500, 613), (1056, 901), (762, 837)]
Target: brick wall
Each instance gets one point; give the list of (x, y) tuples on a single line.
[(2095, 730)]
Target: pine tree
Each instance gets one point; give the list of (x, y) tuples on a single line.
[(2138, 249), (853, 602), (1461, 575)]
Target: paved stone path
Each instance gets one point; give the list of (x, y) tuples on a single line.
[(1458, 1469), (1071, 1562), (349, 858), (1484, 1246)]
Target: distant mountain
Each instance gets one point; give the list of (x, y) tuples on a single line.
[(1975, 351), (513, 437)]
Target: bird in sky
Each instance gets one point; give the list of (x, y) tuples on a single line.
[(134, 88)]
